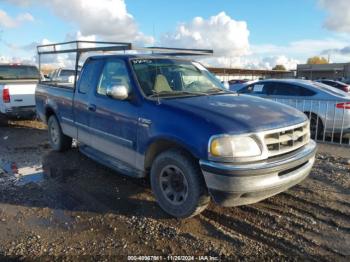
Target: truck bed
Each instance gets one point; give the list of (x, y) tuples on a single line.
[(55, 96)]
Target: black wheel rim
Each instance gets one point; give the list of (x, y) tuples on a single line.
[(173, 185)]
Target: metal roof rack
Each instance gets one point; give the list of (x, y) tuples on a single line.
[(80, 47), (76, 47), (169, 51), (60, 48)]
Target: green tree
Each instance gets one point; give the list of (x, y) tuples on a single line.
[(317, 60), (279, 67)]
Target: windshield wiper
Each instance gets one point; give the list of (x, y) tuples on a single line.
[(219, 90), (159, 94), (176, 93)]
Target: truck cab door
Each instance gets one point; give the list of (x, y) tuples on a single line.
[(82, 108), (114, 123)]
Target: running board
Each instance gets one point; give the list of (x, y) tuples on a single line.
[(110, 162)]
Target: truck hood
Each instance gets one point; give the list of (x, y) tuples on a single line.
[(238, 113)]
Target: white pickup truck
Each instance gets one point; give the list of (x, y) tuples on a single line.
[(17, 89), (63, 75)]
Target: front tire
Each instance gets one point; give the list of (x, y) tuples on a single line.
[(58, 141), (316, 127), (178, 184)]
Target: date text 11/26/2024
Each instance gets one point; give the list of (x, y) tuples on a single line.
[(172, 258)]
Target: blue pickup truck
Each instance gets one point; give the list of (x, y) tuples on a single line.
[(170, 119)]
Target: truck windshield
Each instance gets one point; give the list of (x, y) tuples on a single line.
[(11, 72), (171, 77)]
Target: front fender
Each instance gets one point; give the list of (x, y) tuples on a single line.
[(175, 140)]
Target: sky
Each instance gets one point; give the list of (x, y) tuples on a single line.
[(242, 33)]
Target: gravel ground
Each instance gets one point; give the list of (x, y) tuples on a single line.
[(56, 206)]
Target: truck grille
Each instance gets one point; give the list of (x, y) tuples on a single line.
[(287, 140)]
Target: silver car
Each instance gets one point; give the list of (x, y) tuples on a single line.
[(327, 108)]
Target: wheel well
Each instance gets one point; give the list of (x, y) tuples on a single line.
[(160, 146), (311, 114), (49, 112)]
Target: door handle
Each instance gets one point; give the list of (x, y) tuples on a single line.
[(92, 107)]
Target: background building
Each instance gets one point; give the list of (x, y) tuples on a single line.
[(330, 71), (226, 74)]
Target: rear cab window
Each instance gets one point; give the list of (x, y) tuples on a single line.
[(18, 72)]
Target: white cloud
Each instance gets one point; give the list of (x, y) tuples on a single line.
[(252, 62), (302, 48), (12, 22), (60, 60), (299, 51), (17, 60), (109, 19), (226, 36), (229, 38), (272, 61), (338, 18), (230, 41), (106, 19), (21, 2)]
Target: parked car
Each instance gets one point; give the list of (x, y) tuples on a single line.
[(328, 108), (171, 119), (62, 75), (337, 84), (238, 86), (17, 89)]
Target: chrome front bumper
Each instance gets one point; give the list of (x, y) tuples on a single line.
[(233, 185)]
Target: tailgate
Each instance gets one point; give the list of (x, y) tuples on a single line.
[(21, 94)]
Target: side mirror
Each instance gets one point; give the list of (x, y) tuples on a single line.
[(118, 92)]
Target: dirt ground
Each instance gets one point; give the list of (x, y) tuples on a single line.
[(64, 206)]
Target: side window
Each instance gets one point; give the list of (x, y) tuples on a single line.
[(306, 92), (88, 76), (283, 89), (114, 73), (246, 89), (257, 88)]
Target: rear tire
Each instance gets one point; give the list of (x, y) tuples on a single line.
[(178, 184), (58, 141)]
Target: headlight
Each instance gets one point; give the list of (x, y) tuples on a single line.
[(233, 147)]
